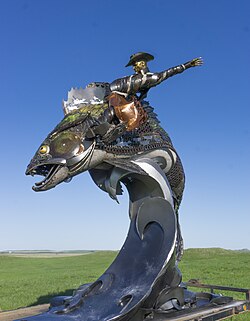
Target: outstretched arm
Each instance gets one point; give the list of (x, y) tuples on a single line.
[(161, 76), (142, 83)]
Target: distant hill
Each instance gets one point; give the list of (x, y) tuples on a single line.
[(215, 250), (44, 251)]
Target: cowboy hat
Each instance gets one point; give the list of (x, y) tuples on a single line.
[(139, 56)]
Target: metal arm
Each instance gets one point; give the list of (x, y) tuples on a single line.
[(157, 78), (142, 82)]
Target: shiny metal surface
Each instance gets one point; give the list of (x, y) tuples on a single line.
[(118, 141)]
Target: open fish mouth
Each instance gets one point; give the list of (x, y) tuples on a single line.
[(58, 170), (49, 171), (53, 174)]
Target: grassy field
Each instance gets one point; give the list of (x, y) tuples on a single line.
[(26, 281)]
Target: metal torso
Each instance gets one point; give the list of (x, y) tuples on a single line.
[(142, 82)]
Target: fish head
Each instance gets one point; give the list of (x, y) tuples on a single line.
[(65, 153)]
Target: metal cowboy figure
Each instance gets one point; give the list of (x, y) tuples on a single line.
[(125, 105), (143, 80), (123, 98)]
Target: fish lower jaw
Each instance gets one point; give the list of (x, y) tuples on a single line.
[(56, 175)]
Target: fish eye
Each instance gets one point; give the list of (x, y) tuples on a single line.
[(44, 149), (66, 144)]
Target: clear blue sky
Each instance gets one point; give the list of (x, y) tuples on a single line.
[(47, 47)]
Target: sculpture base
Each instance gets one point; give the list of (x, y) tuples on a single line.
[(202, 306), (203, 313), (206, 306)]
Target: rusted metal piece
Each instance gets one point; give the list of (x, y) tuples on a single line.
[(131, 113)]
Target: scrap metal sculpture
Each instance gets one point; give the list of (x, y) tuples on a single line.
[(112, 132)]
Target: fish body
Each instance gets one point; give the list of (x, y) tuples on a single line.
[(69, 149), (145, 161)]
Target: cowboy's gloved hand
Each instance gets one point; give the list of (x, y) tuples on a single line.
[(196, 62), (193, 63), (114, 132), (100, 129)]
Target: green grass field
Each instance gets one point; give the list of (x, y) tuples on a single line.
[(26, 281)]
